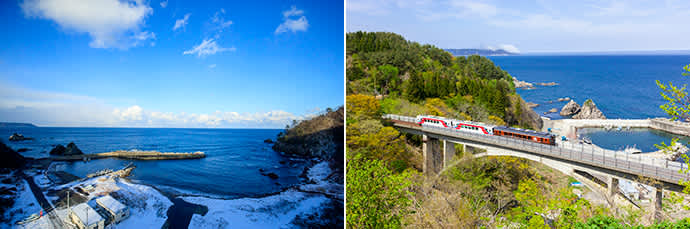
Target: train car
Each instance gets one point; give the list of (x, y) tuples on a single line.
[(526, 135), (435, 121), (460, 125)]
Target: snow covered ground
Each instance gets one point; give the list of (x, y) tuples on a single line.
[(318, 178), (276, 211), (24, 205), (151, 210)]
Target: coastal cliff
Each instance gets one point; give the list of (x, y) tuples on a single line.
[(321, 137), (10, 158)]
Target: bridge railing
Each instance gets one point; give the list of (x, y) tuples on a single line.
[(588, 154)]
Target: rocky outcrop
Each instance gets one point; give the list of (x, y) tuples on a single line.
[(589, 110), (569, 109), (528, 117), (320, 137), (552, 110), (18, 137), (10, 158), (71, 149), (522, 84), (548, 84)]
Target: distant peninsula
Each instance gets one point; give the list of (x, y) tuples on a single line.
[(16, 124), (481, 52)]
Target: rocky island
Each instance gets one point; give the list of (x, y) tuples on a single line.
[(588, 110)]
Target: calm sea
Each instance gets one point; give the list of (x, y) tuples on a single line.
[(621, 86), (230, 169)]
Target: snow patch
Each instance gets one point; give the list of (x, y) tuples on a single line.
[(24, 205), (276, 211)]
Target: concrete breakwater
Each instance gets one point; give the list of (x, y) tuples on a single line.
[(134, 155), (568, 127)]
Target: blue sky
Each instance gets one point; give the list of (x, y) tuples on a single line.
[(531, 25), (169, 63)]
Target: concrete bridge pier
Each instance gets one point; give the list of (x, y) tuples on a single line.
[(448, 152), (612, 186), (431, 149), (656, 203), (438, 154)]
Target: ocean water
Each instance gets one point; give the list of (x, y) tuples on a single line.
[(230, 169), (621, 86)]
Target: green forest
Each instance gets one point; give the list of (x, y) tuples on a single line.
[(387, 74)]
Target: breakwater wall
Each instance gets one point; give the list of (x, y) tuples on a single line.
[(568, 127), (133, 155)]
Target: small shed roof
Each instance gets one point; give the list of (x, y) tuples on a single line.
[(83, 210), (111, 204)]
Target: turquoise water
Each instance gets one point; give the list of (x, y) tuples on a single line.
[(230, 169), (621, 87)]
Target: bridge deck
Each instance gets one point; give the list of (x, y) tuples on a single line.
[(637, 165)]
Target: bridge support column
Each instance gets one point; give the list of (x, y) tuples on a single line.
[(431, 149), (448, 152), (612, 184), (656, 203)]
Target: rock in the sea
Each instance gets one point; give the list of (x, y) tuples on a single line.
[(71, 149), (563, 99), (58, 150), (570, 109), (272, 175), (589, 110), (269, 141), (532, 105), (548, 84), (553, 110), (18, 137)]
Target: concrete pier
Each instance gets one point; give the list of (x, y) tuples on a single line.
[(134, 155), (568, 127)]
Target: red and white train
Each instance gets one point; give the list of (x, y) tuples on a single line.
[(482, 128)]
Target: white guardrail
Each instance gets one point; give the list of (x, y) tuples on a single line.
[(587, 154)]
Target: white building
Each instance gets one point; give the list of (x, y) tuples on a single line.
[(85, 217), (116, 209)]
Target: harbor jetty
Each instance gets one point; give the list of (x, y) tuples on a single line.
[(568, 127), (132, 155)]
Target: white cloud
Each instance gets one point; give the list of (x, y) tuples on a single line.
[(212, 66), (207, 47), (505, 47), (164, 4), (293, 20), (293, 11), (109, 23), (219, 22), (61, 109), (133, 113), (181, 23)]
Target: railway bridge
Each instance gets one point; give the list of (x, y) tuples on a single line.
[(438, 151)]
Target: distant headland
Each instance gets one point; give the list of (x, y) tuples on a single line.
[(16, 124), (481, 52)]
